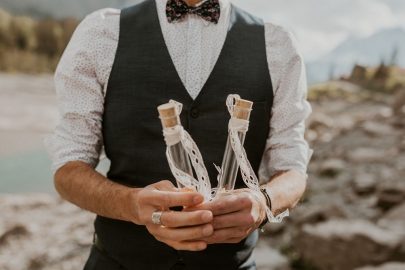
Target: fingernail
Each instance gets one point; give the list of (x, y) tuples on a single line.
[(207, 231), (197, 199), (202, 246), (207, 217)]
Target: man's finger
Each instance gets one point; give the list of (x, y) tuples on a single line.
[(236, 219), (174, 219), (165, 185), (230, 241), (166, 199), (185, 233), (223, 235), (226, 204)]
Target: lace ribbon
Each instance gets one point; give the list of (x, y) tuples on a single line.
[(248, 175), (176, 135)]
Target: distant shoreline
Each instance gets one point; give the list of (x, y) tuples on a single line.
[(28, 112)]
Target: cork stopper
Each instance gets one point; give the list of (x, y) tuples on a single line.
[(242, 109), (168, 115)]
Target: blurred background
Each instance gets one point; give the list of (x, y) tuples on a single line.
[(353, 214)]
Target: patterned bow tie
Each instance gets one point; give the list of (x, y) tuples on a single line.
[(176, 10)]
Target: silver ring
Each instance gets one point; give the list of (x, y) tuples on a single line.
[(156, 217)]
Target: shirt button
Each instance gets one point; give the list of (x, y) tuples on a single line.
[(195, 113)]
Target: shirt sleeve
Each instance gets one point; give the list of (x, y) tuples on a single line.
[(80, 81), (286, 148)]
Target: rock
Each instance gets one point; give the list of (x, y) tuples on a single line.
[(320, 120), (347, 244), (366, 155), (17, 231), (318, 213), (386, 266), (400, 163), (394, 219), (399, 103), (390, 196), (377, 129), (332, 167), (364, 183), (23, 202), (268, 258), (388, 173), (397, 213)]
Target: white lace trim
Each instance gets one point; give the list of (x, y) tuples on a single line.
[(175, 135), (248, 175)]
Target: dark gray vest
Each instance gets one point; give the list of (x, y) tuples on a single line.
[(143, 77)]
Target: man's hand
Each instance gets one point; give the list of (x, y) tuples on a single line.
[(236, 215), (80, 184), (183, 230), (180, 230)]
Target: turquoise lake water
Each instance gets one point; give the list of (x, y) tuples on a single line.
[(27, 172), (30, 172)]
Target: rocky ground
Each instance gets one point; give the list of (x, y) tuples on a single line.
[(40, 231), (352, 216)]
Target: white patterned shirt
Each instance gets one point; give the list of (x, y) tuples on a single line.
[(194, 45)]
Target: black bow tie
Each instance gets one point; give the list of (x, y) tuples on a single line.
[(176, 10)]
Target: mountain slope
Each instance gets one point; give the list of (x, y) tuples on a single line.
[(365, 51)]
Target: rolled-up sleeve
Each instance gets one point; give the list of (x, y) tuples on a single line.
[(80, 81), (286, 147)]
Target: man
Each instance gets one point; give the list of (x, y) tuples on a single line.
[(118, 67)]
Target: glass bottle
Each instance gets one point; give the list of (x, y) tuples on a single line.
[(170, 118), (241, 110)]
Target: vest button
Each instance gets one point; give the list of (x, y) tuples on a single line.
[(194, 113)]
